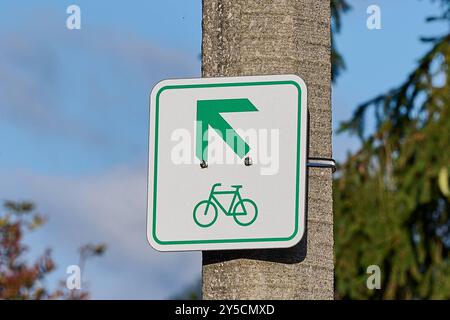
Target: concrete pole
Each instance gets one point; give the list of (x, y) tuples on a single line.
[(251, 37)]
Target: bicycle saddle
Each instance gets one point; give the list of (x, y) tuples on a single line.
[(237, 186)]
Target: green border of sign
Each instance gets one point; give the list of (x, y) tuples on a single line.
[(155, 168)]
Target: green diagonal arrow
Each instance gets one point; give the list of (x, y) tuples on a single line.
[(208, 114)]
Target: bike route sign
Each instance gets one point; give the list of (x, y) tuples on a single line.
[(227, 163)]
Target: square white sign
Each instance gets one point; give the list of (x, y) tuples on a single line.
[(227, 163)]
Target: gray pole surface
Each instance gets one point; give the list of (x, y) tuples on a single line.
[(251, 37)]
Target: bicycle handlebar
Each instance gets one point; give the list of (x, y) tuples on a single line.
[(216, 185)]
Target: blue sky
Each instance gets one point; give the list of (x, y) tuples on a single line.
[(74, 119)]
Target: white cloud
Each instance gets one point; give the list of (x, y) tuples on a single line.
[(109, 207), (64, 83), (90, 88)]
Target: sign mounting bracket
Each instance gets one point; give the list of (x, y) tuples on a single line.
[(317, 162)]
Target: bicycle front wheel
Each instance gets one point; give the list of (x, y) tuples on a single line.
[(245, 212), (205, 213)]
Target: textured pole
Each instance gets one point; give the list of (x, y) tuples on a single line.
[(251, 37)]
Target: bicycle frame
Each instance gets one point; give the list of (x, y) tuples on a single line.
[(212, 197)]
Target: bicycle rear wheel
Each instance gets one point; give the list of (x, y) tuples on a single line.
[(245, 217)]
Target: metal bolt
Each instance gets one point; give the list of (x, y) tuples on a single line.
[(248, 161)]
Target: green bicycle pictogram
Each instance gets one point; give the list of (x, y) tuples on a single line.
[(244, 211)]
